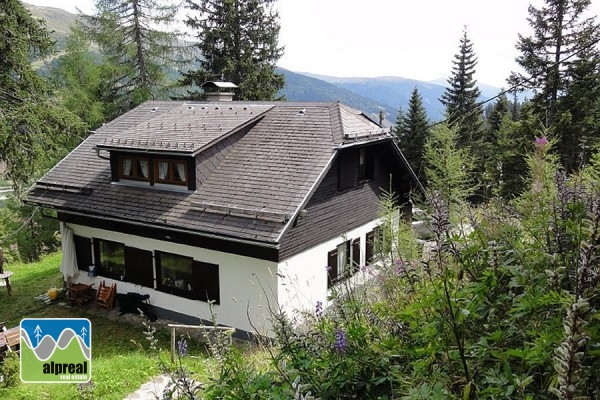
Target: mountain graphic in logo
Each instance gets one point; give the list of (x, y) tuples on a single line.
[(56, 350)]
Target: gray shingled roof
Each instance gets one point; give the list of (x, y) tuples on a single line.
[(187, 128), (267, 174)]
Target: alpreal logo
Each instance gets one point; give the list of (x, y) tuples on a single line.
[(56, 350)]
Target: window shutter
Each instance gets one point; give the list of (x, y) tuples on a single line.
[(332, 264), (206, 281), (355, 255), (83, 252), (138, 267)]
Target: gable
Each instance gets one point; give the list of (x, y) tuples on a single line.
[(343, 200)]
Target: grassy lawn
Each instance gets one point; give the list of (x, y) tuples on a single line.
[(120, 359)]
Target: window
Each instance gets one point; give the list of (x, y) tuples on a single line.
[(365, 164), (134, 168), (343, 262), (172, 172), (110, 258), (152, 171), (185, 277), (175, 272), (373, 244)]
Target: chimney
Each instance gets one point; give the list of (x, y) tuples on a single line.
[(218, 91)]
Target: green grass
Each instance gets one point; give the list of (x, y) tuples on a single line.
[(121, 362)]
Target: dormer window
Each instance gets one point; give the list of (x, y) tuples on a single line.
[(135, 168), (173, 172), (153, 171)]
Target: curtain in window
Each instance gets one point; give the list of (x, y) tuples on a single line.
[(126, 167), (144, 168), (181, 171), (163, 169), (342, 258)]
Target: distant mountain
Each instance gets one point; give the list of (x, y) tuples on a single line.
[(369, 95), (489, 91), (392, 90), (299, 87), (58, 21)]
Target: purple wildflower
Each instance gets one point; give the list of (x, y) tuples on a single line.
[(541, 141), (340, 341), (182, 347), (328, 268), (319, 309)]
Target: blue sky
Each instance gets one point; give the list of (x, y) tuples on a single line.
[(406, 38)]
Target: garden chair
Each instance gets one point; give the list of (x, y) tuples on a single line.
[(105, 296)]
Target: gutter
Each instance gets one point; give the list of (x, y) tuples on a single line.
[(154, 226)]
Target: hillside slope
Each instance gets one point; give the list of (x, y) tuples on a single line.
[(58, 21), (300, 87)]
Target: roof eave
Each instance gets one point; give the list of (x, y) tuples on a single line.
[(234, 239)]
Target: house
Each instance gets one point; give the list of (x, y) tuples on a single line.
[(243, 204)]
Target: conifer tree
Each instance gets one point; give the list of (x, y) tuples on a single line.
[(560, 60), (460, 97), (412, 132), (499, 110), (136, 52), (238, 41), (34, 131)]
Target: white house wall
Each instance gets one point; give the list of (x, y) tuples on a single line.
[(247, 285), (303, 277)]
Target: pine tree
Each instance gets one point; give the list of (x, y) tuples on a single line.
[(412, 132), (34, 131), (561, 63), (499, 110), (238, 40), (136, 53), (460, 97)]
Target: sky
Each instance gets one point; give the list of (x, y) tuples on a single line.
[(414, 39)]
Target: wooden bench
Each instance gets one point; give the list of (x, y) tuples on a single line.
[(13, 338), (10, 340)]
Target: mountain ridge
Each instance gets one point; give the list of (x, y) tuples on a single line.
[(369, 95)]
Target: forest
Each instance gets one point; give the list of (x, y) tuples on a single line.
[(499, 300)]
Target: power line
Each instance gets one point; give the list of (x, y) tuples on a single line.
[(517, 85), (23, 225)]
